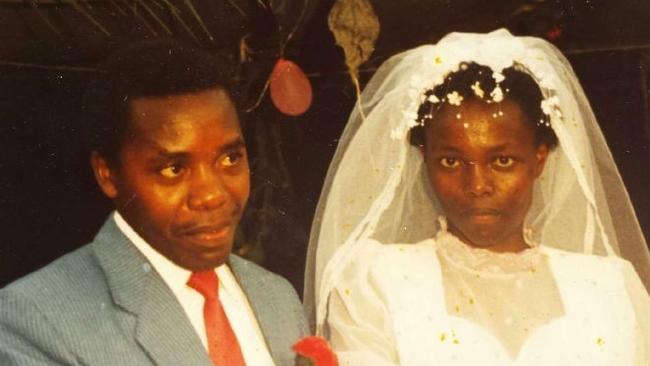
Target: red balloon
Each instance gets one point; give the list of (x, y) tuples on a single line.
[(290, 88)]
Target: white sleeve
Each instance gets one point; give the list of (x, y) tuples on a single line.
[(641, 303), (358, 323)]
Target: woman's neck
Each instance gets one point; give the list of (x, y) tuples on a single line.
[(512, 243)]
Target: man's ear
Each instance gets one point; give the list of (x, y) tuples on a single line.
[(104, 174), (541, 155)]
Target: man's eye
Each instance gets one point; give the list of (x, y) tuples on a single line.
[(232, 159), (449, 162), (171, 171), (504, 161)]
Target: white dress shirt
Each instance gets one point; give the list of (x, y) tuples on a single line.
[(234, 301)]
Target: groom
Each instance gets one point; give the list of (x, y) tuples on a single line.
[(158, 285)]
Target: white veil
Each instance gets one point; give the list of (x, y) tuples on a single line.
[(376, 185)]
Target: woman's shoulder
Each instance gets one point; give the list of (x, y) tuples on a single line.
[(362, 256), (370, 256), (587, 265), (380, 252), (565, 255)]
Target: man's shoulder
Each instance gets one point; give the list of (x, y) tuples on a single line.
[(73, 278), (275, 304), (69, 269), (265, 289), (246, 268)]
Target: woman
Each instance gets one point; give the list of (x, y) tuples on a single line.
[(475, 216)]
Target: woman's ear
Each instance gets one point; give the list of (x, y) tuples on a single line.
[(541, 154), (104, 174)]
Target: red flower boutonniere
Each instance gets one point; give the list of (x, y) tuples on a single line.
[(314, 351)]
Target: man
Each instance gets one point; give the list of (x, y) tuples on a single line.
[(167, 149)]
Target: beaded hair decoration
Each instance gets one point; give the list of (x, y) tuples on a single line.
[(549, 105)]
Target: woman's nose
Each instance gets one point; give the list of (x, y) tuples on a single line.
[(206, 191), (478, 180)]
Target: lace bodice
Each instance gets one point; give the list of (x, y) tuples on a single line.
[(508, 294), (485, 261)]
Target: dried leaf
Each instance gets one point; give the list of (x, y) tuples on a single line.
[(356, 28)]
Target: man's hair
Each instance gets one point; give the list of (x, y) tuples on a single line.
[(150, 68), (517, 86)]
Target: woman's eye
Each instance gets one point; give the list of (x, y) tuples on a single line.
[(232, 159), (504, 162), (449, 162), (171, 171)]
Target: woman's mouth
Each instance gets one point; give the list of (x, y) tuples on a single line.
[(481, 214)]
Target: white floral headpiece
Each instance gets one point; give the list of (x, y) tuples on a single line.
[(498, 54)]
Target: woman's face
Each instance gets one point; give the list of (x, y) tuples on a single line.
[(482, 161)]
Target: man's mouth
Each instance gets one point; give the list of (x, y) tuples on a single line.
[(208, 233)]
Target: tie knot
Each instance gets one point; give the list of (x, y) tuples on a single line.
[(205, 282)]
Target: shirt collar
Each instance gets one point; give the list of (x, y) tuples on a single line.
[(174, 275)]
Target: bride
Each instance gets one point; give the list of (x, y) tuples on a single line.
[(473, 214)]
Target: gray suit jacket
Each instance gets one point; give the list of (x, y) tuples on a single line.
[(103, 304)]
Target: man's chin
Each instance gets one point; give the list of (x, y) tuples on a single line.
[(204, 263), (203, 258)]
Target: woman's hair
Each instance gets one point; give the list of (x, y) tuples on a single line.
[(517, 86)]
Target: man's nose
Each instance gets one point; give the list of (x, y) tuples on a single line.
[(206, 190), (478, 180)]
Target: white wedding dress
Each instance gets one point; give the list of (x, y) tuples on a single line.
[(433, 300), (441, 302)]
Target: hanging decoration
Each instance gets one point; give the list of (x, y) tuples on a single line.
[(290, 88), (356, 28), (554, 33)]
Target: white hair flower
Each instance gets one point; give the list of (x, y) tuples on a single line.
[(497, 94), (433, 99), (498, 77), (549, 104), (476, 88), (454, 98)]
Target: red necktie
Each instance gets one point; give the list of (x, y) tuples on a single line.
[(223, 347)]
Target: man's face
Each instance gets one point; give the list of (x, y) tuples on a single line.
[(482, 163), (182, 179)]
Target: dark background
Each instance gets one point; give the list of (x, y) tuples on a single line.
[(49, 202)]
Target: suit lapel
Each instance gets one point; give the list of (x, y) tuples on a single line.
[(162, 327), (254, 289)]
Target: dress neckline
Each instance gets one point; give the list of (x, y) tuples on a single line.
[(485, 261)]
